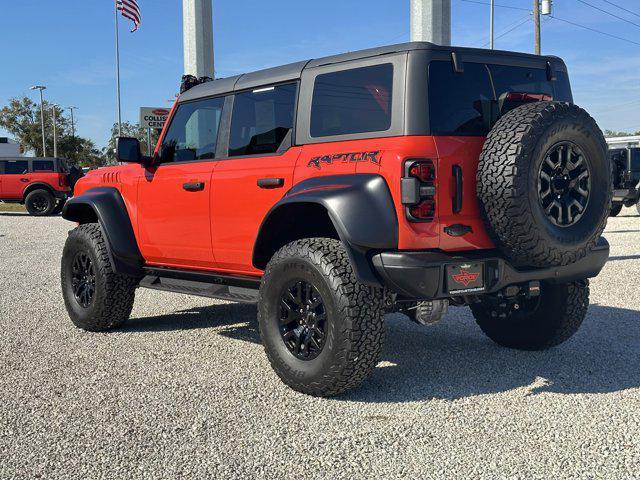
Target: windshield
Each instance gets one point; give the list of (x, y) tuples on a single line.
[(469, 103)]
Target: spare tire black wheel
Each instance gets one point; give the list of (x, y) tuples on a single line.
[(544, 184)]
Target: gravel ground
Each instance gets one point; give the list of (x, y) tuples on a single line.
[(184, 389)]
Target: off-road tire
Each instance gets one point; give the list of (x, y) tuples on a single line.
[(560, 311), (615, 210), (40, 195), (355, 329), (114, 293), (507, 184)]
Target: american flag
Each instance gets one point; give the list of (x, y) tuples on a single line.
[(130, 10)]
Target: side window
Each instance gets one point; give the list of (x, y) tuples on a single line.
[(261, 119), (352, 101), (42, 166), (18, 167), (193, 133), (459, 103)]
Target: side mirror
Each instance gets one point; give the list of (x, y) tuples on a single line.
[(128, 150)]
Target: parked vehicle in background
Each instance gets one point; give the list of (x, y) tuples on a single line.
[(42, 185), (403, 178), (626, 178)]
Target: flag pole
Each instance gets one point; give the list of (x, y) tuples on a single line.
[(118, 70)]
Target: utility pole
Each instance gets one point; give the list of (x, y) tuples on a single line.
[(491, 23), (73, 127), (431, 21), (198, 38), (44, 143), (55, 134), (536, 25)]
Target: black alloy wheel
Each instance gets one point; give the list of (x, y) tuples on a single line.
[(564, 184), (83, 279), (303, 320)]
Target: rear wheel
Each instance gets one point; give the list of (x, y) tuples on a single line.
[(96, 297), (322, 330), (537, 323), (40, 203)]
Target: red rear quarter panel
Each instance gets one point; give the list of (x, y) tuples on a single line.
[(387, 156)]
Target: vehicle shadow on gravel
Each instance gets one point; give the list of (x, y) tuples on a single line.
[(233, 320), (455, 360)]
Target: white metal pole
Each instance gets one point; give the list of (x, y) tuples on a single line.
[(491, 23), (197, 19), (44, 143), (55, 134), (431, 21), (118, 70)]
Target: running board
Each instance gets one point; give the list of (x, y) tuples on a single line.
[(234, 289)]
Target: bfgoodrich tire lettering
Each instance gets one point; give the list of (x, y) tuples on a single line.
[(551, 319), (508, 184), (353, 329), (112, 299)]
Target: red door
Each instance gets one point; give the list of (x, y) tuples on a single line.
[(15, 179), (256, 174), (174, 227)]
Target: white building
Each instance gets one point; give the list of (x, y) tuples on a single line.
[(9, 148), (622, 142)]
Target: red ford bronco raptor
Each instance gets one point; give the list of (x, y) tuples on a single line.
[(42, 185), (405, 178)]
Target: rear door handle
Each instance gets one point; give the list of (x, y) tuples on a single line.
[(271, 182), (193, 186)]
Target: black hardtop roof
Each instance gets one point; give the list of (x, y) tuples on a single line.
[(293, 71)]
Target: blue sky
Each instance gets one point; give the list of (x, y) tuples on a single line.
[(68, 46)]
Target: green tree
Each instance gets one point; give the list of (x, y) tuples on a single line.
[(613, 133), (21, 118), (129, 130)]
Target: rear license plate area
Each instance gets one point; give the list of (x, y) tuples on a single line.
[(464, 278)]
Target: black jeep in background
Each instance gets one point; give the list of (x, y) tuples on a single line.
[(626, 178)]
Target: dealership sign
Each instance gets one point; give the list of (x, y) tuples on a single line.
[(153, 117)]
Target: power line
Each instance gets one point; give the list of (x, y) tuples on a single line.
[(594, 30), (609, 13), (622, 8), (515, 25), (496, 5)]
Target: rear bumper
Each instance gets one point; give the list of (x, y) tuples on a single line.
[(422, 275)]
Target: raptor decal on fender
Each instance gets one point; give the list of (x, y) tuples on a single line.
[(352, 157)]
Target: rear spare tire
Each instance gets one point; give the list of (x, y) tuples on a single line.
[(544, 184)]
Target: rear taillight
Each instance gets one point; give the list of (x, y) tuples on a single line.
[(62, 180), (528, 97), (418, 190)]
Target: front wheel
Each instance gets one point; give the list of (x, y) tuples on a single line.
[(97, 298), (322, 330), (537, 323)]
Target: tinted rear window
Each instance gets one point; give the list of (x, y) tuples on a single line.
[(43, 166), (467, 103), (352, 101)]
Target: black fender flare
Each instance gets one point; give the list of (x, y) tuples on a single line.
[(106, 206), (37, 186), (360, 208)]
